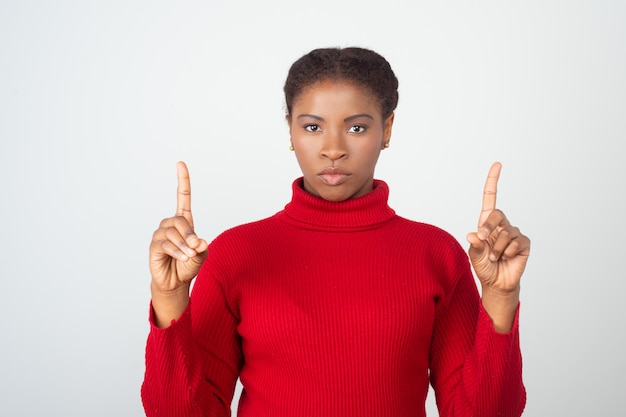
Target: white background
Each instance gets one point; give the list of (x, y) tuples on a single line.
[(98, 100)]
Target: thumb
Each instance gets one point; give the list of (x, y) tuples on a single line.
[(198, 260), (201, 251), (475, 241), (477, 246), (190, 268)]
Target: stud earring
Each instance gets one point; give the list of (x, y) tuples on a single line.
[(386, 145), (291, 148)]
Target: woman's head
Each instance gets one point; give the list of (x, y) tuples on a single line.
[(361, 67), (340, 105)]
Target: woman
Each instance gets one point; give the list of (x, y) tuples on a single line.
[(335, 306)]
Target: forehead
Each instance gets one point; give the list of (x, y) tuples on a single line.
[(329, 95)]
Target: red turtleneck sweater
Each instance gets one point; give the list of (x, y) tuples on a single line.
[(334, 309)]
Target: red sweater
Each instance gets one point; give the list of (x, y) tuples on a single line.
[(334, 309)]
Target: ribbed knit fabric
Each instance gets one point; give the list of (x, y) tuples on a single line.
[(334, 309)]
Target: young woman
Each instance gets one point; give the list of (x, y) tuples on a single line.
[(335, 306)]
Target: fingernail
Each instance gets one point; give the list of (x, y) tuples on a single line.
[(190, 252), (493, 257)]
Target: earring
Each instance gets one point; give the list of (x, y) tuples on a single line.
[(386, 145), (291, 148)]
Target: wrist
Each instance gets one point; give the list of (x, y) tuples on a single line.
[(501, 307), (169, 305), (505, 296), (166, 294)]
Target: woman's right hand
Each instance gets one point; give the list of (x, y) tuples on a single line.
[(176, 255)]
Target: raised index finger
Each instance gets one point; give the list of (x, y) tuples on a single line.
[(183, 192), (490, 191)]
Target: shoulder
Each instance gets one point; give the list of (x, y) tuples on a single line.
[(239, 248), (425, 233), (245, 234), (431, 247)]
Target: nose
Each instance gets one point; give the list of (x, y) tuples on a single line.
[(334, 147)]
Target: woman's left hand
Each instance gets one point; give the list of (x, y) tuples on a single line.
[(498, 251)]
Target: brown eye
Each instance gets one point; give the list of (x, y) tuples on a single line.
[(312, 128), (357, 129)]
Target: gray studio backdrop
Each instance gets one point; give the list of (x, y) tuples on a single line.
[(98, 100)]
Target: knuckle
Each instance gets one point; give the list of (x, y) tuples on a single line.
[(172, 234), (176, 238), (159, 234), (165, 246), (181, 222), (170, 248), (189, 234)]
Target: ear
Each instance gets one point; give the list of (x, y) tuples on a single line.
[(387, 127), (288, 120)]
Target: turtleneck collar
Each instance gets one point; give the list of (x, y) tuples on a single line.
[(365, 212)]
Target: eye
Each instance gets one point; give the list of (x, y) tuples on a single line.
[(357, 129), (312, 128)]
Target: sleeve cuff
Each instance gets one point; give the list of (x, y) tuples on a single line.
[(185, 318), (484, 321)]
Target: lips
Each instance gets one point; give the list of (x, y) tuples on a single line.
[(333, 176)]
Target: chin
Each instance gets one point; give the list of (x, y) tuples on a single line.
[(337, 195), (341, 192)]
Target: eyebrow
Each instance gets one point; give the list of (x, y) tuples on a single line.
[(347, 119)]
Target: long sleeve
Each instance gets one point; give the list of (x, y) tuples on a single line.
[(192, 365), (475, 371), (334, 309)]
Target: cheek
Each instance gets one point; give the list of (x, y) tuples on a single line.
[(305, 156), (305, 149), (368, 152)]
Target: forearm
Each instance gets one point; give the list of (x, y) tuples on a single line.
[(476, 369), (493, 371), (501, 307), (168, 306), (175, 381), (191, 373)]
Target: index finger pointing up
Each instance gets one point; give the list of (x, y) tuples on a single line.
[(490, 192), (183, 192)]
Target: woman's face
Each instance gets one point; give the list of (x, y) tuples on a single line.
[(337, 131)]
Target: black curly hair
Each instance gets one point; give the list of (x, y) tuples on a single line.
[(360, 66)]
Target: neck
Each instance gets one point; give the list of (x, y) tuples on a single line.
[(363, 212)]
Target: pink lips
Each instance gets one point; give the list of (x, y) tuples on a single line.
[(333, 176)]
